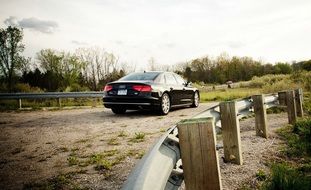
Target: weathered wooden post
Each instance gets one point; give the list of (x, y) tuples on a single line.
[(231, 132), (59, 102), (282, 98), (94, 102), (291, 107), (200, 162), (20, 103), (299, 100), (260, 116)]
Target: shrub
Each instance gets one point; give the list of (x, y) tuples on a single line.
[(284, 177), (280, 85), (24, 87), (259, 82), (75, 87), (303, 78), (303, 129)]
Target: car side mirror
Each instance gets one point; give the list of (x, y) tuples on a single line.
[(188, 83)]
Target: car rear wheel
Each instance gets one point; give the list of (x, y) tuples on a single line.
[(118, 110), (165, 104), (196, 99)]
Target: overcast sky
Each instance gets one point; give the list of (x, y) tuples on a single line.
[(171, 31)]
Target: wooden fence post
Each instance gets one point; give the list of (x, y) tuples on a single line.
[(291, 107), (282, 98), (299, 100), (200, 162), (260, 116), (20, 103), (59, 102), (231, 132)]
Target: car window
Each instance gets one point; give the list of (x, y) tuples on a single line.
[(140, 76), (170, 79), (160, 79), (179, 79)]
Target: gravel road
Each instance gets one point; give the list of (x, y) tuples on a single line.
[(95, 149)]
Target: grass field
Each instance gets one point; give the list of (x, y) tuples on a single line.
[(228, 94)]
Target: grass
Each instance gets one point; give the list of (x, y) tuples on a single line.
[(261, 175), (138, 137), (285, 177), (298, 138), (293, 172), (103, 164), (72, 160), (113, 141), (61, 181), (138, 154), (106, 160), (228, 94), (122, 134)]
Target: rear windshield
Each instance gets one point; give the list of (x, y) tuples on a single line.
[(140, 76)]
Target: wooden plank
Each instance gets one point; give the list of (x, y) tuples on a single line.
[(291, 107), (260, 116), (231, 132), (197, 139), (282, 98), (59, 102), (20, 103), (299, 100)]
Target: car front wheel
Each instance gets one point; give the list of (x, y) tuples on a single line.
[(165, 104), (196, 99)]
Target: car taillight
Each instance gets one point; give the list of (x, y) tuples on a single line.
[(142, 88), (108, 88)]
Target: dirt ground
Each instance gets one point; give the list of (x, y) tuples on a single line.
[(95, 149)]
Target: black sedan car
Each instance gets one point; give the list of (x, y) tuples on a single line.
[(149, 90)]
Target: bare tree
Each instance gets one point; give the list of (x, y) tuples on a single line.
[(97, 64)]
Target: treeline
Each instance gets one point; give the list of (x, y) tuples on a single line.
[(87, 69), (52, 70), (225, 68)]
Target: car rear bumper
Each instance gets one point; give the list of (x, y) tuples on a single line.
[(143, 102)]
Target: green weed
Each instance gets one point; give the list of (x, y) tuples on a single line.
[(113, 141), (138, 137), (285, 177)]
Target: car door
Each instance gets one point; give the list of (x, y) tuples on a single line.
[(185, 92), (171, 84)]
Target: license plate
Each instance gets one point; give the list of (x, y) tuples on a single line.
[(122, 92)]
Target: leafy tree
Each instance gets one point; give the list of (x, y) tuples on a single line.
[(282, 68), (11, 59)]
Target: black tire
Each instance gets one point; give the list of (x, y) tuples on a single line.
[(195, 99), (118, 110), (165, 105)]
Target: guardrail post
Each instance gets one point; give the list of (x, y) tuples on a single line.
[(231, 132), (291, 107), (59, 102), (197, 139), (94, 102), (299, 100), (282, 98), (260, 116), (20, 103)]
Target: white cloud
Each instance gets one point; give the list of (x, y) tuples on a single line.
[(35, 24)]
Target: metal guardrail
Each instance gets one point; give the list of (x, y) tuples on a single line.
[(161, 167), (50, 95), (92, 94)]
